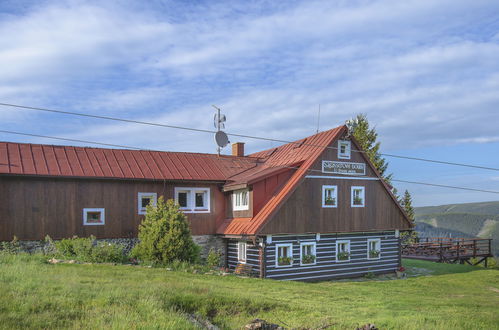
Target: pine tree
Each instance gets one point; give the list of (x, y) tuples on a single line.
[(366, 136), (406, 203), (164, 235)]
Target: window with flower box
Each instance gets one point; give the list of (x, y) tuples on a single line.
[(358, 196), (329, 196), (373, 248), (284, 255), (145, 199), (307, 253), (342, 250), (94, 216)]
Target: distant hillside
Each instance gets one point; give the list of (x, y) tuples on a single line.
[(460, 220), (490, 208)]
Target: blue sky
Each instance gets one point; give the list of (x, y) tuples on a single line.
[(425, 72)]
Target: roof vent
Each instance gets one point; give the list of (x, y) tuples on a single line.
[(238, 149)]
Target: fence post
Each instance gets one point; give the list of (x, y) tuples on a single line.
[(474, 248), (441, 252), (458, 252)]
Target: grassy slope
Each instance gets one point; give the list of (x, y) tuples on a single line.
[(39, 295), (480, 208)]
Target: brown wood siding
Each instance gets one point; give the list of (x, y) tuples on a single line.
[(230, 213), (302, 212), (266, 188), (32, 207)]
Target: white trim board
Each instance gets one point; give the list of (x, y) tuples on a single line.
[(339, 177)]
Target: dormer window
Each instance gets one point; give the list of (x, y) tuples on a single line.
[(240, 200), (193, 200), (344, 149)]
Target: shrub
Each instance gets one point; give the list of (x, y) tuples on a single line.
[(87, 250), (11, 247), (214, 258), (164, 235)]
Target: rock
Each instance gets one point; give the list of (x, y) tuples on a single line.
[(368, 326), (54, 261), (71, 262), (259, 324)]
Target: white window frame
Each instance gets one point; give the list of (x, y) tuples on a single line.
[(363, 196), (85, 216), (337, 249), (154, 199), (369, 248), (348, 152), (290, 254), (237, 199), (314, 252), (326, 187), (242, 249), (191, 199)]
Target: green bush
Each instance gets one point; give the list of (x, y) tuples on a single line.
[(164, 235), (11, 247), (214, 258), (88, 250)]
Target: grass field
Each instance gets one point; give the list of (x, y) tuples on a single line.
[(35, 294)]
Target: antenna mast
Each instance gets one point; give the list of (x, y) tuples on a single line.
[(221, 138), (318, 119)]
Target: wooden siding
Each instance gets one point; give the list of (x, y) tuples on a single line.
[(264, 190), (252, 256), (326, 266), (32, 207), (230, 213), (302, 212)]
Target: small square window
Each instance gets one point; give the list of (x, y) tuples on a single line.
[(144, 199), (93, 217), (344, 149), (342, 251), (284, 255), (329, 196), (358, 197), (373, 248), (307, 253), (241, 252)]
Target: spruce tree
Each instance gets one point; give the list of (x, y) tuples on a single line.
[(406, 203), (366, 136), (164, 235)]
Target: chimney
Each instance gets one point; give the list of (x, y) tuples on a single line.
[(238, 149)]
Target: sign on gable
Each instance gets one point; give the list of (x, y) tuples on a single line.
[(330, 166)]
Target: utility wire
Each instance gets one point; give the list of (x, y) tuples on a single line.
[(290, 167), (237, 135)]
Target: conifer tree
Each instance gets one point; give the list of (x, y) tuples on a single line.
[(164, 235), (406, 203)]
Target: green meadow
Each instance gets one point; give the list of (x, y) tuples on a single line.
[(36, 294)]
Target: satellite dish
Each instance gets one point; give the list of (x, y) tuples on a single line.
[(221, 139)]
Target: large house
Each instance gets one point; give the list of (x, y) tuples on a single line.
[(314, 209)]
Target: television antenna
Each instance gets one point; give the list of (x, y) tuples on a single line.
[(221, 138)]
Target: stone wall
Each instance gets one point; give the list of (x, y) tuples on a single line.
[(208, 242)]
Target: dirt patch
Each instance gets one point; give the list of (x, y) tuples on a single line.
[(494, 289)]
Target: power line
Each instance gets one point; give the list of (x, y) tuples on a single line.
[(237, 135), (290, 167)]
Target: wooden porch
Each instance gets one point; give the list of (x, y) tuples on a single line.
[(449, 250)]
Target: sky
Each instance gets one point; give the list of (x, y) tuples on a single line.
[(426, 74)]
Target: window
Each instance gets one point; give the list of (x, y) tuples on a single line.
[(193, 200), (93, 217), (358, 196), (240, 200), (145, 199), (342, 251), (241, 252), (344, 149), (329, 196), (284, 255), (307, 253), (373, 248)]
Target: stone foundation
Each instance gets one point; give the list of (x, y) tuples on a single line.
[(208, 242)]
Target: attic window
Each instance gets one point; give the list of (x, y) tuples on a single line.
[(193, 200), (344, 149), (145, 199), (93, 217), (240, 200)]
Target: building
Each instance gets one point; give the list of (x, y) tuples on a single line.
[(313, 209)]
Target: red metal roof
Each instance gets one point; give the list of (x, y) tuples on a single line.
[(306, 152), (67, 161)]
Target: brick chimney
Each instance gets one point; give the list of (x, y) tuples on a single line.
[(238, 149)]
